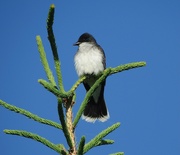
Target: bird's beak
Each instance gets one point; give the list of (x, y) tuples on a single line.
[(76, 44)]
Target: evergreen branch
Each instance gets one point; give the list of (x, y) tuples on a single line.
[(105, 74), (127, 67), (30, 115), (53, 89), (113, 71), (36, 138), (44, 61), (89, 94), (78, 82), (81, 146), (101, 135), (63, 123), (52, 41), (118, 153)]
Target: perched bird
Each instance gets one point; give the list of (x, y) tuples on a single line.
[(90, 60)]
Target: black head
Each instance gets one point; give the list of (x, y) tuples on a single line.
[(85, 37)]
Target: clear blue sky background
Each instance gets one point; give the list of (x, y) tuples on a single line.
[(145, 100)]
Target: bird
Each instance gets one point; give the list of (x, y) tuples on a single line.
[(90, 61)]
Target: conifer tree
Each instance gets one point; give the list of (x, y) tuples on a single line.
[(66, 102)]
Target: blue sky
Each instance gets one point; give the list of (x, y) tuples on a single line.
[(145, 100)]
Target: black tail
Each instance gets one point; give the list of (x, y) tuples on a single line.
[(96, 110)]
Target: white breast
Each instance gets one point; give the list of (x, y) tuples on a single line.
[(88, 60)]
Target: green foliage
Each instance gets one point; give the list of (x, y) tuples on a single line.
[(66, 100)]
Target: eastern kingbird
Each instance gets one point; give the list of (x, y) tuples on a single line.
[(90, 60)]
